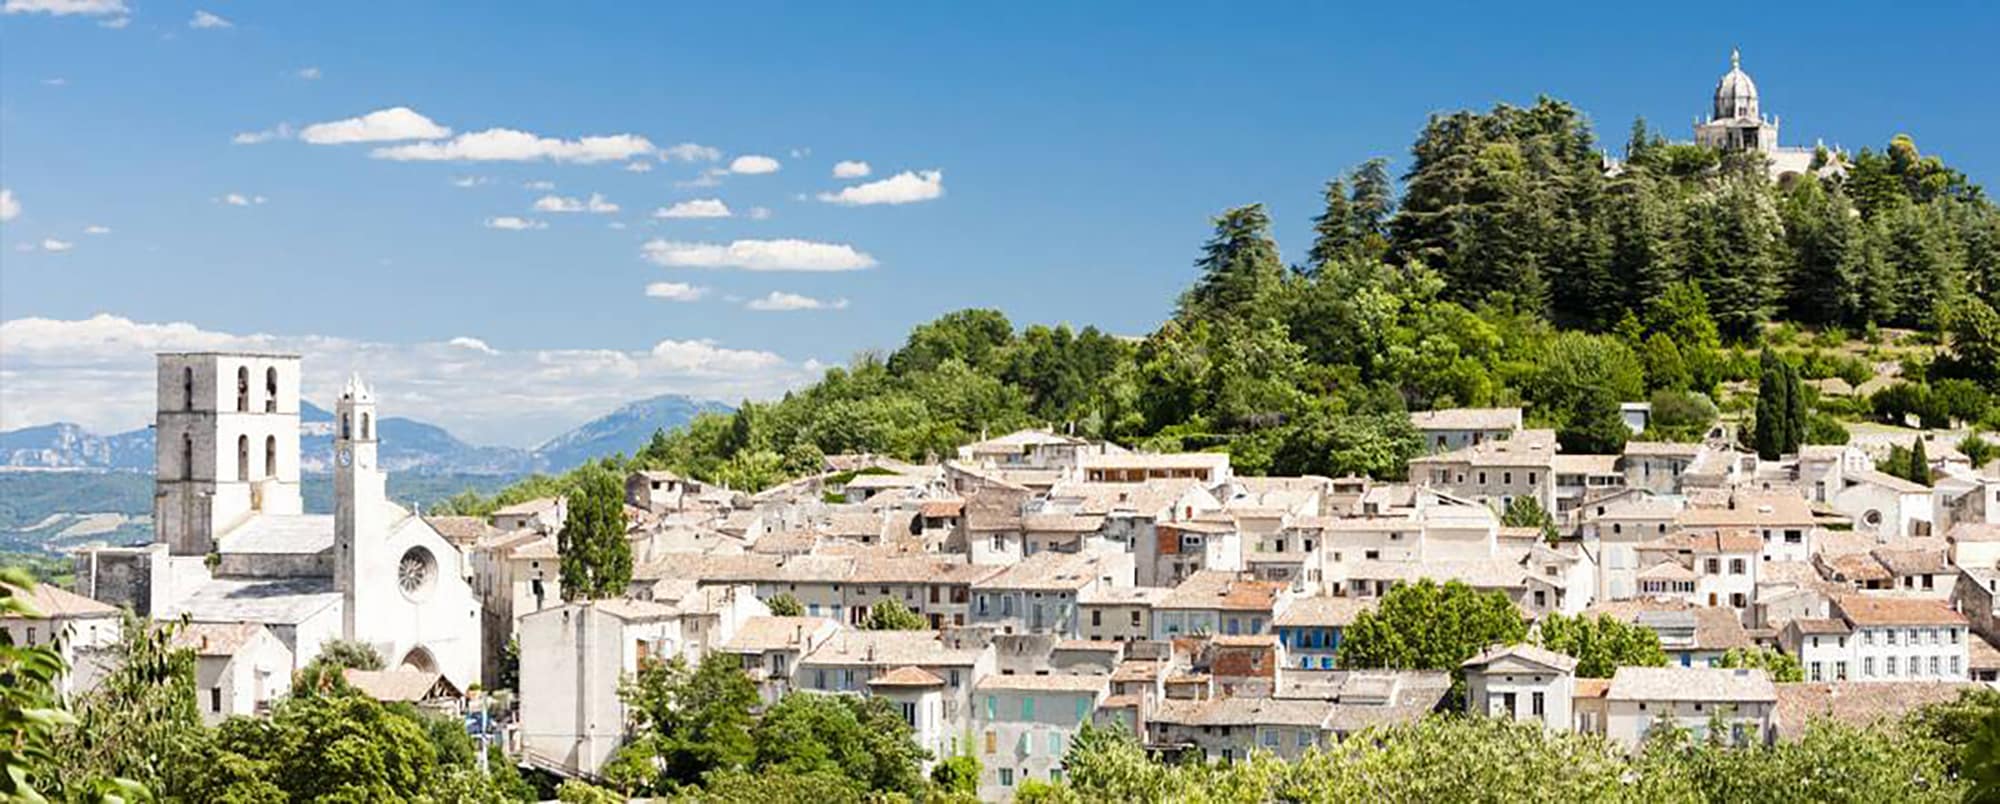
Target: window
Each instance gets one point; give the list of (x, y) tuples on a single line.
[(910, 713), (271, 390), (1028, 707), (1006, 777), (270, 456), (31, 636), (1891, 633), (992, 707), (1715, 566), (1055, 744), (1889, 666), (242, 389), (1954, 635), (187, 389), (1096, 617), (214, 699), (1537, 709), (1271, 739), (1840, 671), (1868, 667), (366, 432), (243, 459), (1736, 566), (1954, 665), (1482, 478), (1813, 673), (1135, 616), (1935, 662), (1507, 478), (992, 742)]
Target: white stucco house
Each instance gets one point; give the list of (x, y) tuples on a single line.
[(1522, 682)]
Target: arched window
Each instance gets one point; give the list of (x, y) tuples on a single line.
[(242, 389), (187, 456), (270, 456), (366, 433), (243, 459), (346, 427), (187, 388), (271, 390)]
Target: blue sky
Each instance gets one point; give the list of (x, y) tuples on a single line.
[(1080, 150)]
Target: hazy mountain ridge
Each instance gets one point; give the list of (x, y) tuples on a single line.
[(408, 445)]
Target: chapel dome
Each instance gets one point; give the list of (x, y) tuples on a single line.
[(1735, 94)]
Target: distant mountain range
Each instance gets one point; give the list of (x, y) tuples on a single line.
[(408, 446)]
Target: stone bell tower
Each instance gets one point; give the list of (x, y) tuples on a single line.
[(226, 444), (360, 506)]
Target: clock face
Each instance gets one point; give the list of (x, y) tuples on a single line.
[(346, 457)]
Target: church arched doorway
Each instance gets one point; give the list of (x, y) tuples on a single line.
[(418, 659)]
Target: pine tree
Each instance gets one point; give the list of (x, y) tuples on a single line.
[(1920, 463), (1372, 203), (1239, 267), (596, 559), (1773, 404), (1333, 233)]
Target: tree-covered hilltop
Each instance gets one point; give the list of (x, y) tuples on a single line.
[(1518, 266)]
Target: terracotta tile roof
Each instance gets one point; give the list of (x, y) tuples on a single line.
[(1691, 684), (1525, 652), (459, 530), (907, 676), (1823, 626), (1592, 687), (1752, 510), (1982, 654), (412, 686), (941, 509), (1975, 532), (760, 634), (1322, 610), (1223, 590), (216, 639), (54, 602), (1661, 449), (1915, 560), (1467, 419), (1857, 703), (1060, 682), (1879, 610)]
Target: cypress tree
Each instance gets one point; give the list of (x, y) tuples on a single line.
[(596, 560)]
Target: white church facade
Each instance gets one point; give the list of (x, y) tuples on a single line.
[(1736, 122), (233, 544)]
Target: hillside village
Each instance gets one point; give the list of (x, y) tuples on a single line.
[(1543, 556), (1060, 582)]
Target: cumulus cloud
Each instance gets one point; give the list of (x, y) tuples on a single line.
[(595, 204), (382, 125), (753, 164), (636, 166), (508, 145), (906, 187), (781, 302), (758, 255), (514, 223), (54, 246), (280, 131), (760, 213), (709, 178), (241, 200), (10, 207), (99, 372), (203, 19), (676, 291), (691, 152), (64, 8), (96, 230), (308, 73), (850, 169), (475, 344), (697, 208)]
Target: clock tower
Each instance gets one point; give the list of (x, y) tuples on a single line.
[(360, 507)]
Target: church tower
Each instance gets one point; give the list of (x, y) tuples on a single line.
[(226, 444), (360, 507), (1736, 123)]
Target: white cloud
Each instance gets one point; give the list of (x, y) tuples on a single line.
[(382, 125), (10, 207), (636, 166), (308, 73), (753, 164), (615, 225), (850, 169), (711, 177), (514, 223), (96, 230), (760, 213), (475, 344), (542, 184), (508, 145), (596, 204), (676, 291), (54, 246), (241, 200), (903, 188), (64, 8), (697, 208), (55, 82), (204, 19), (758, 255), (781, 302), (281, 131), (801, 153), (691, 152), (99, 372), (469, 181)]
